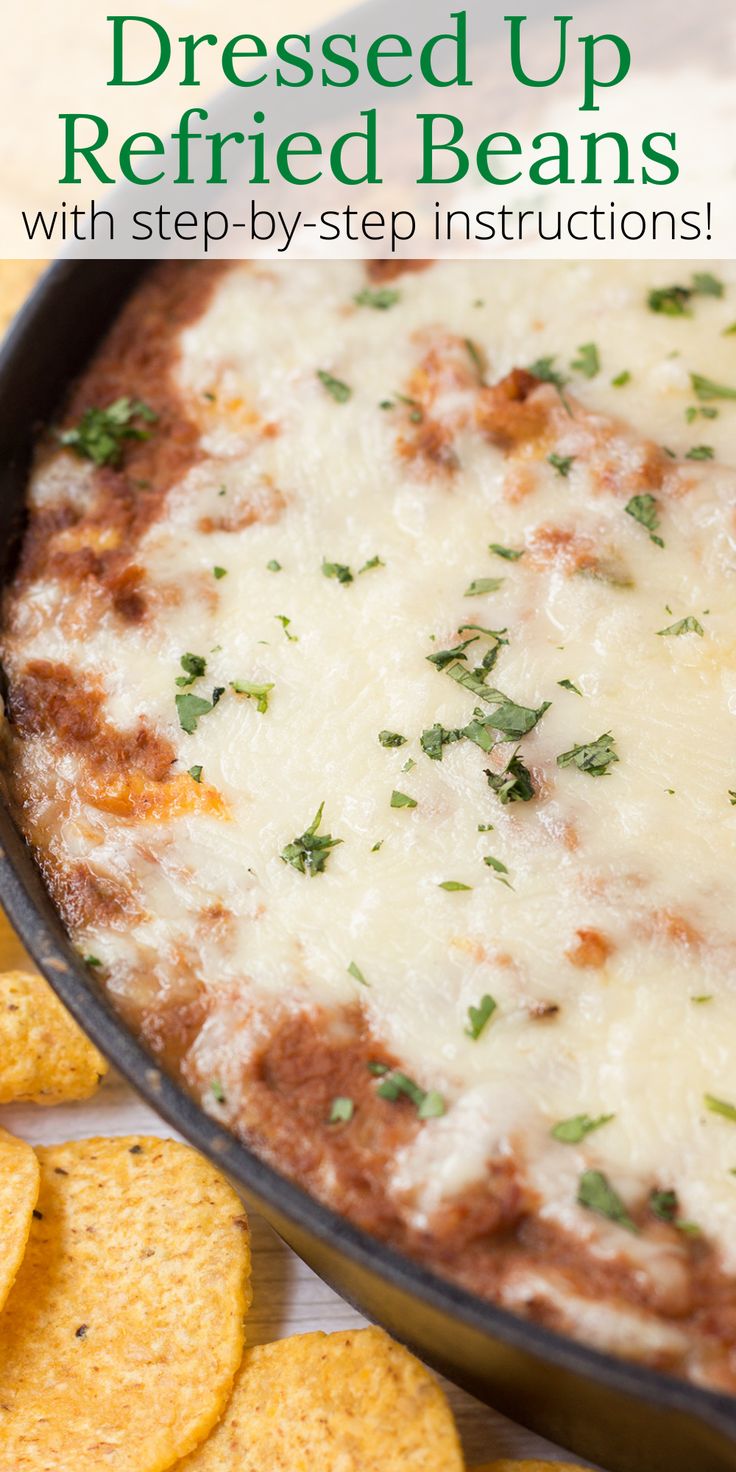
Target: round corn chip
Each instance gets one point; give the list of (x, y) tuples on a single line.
[(506, 1466), (19, 1177), (44, 1057), (353, 1402), (122, 1334)]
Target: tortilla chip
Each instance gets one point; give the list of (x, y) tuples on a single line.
[(352, 1402), (43, 1055), (19, 1177), (121, 1337), (506, 1466)]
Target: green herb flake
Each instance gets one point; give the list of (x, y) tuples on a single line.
[(90, 960), (572, 1131), (195, 666), (596, 1193), (273, 565), (195, 773), (514, 783), (644, 510), (453, 886), (562, 464), (391, 738), (568, 685), (285, 622), (378, 845), (720, 1106), (499, 870), (480, 1016), (429, 1105), (621, 379), (378, 1069), (545, 370), (309, 853), (190, 709), (371, 563), (100, 434), (400, 800), (259, 693), (670, 301), (380, 299), (511, 554), (355, 971), (701, 1000), (701, 452), (593, 757), (341, 1111), (588, 361), (219, 572), (483, 585), (664, 1205), (445, 657), (706, 389), (732, 796), (510, 719), (217, 1091), (706, 284), (476, 357), (689, 625), (337, 570), (340, 391), (486, 827)]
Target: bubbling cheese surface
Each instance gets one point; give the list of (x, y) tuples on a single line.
[(607, 939)]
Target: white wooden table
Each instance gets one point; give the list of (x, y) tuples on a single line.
[(288, 1297)]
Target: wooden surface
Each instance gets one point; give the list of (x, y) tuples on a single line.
[(288, 1297)]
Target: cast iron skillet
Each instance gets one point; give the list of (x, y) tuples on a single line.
[(627, 1418)]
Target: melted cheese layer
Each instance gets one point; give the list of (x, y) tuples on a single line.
[(639, 859)]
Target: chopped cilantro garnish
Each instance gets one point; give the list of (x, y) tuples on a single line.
[(408, 764), (391, 738), (217, 1091), (400, 800), (514, 783), (309, 853), (621, 379), (706, 284), (588, 361), (664, 1205), (377, 846), (195, 773), (371, 563), (700, 452), (190, 708), (195, 666), (705, 411), (341, 1110), (101, 433), (480, 1016), (273, 565), (483, 585), (337, 570), (568, 685), (434, 740), (687, 625), (572, 1131), (594, 757), (454, 886), (219, 572), (429, 1105), (596, 1193), (378, 1069), (672, 301), (644, 510), (545, 370), (498, 868), (284, 621), (509, 553), (340, 391), (510, 719), (260, 693), (486, 827), (380, 298), (732, 797), (561, 463), (354, 970), (447, 656), (704, 997), (91, 960), (720, 1106), (706, 389)]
